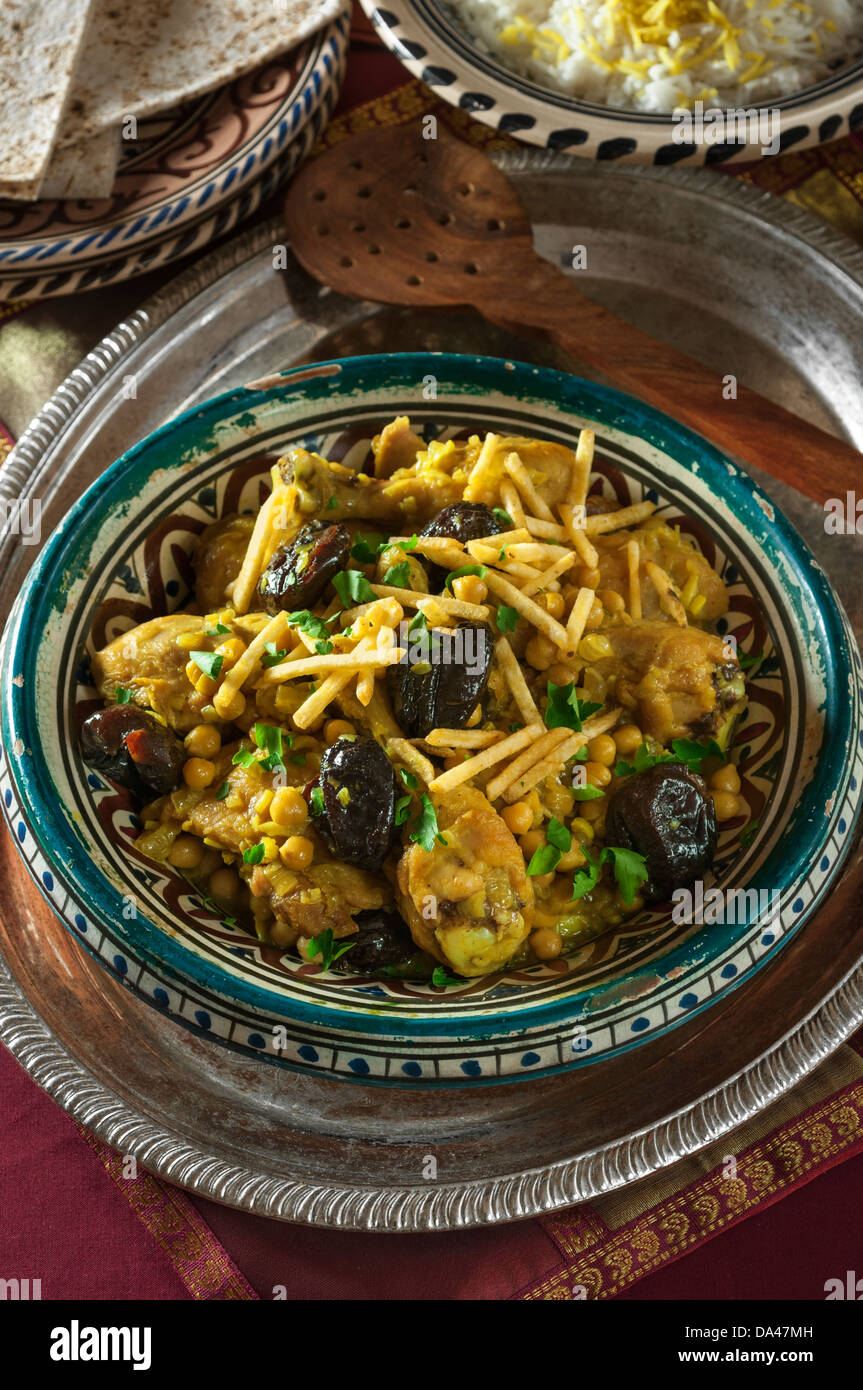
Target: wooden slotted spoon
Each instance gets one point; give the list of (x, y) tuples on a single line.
[(389, 216)]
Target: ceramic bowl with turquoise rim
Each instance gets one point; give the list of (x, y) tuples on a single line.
[(121, 556)]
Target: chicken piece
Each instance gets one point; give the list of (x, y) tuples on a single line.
[(549, 465), (217, 559), (468, 902), (306, 902), (396, 447), (149, 661), (679, 679), (407, 499), (676, 554)]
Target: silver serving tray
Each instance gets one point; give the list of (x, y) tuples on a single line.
[(749, 284)]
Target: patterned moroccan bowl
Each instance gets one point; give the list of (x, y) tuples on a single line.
[(434, 44), (121, 556)]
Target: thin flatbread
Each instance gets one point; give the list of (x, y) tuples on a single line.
[(143, 56), (39, 45), (85, 171)]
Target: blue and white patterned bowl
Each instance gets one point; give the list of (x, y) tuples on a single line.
[(121, 556), (430, 39)]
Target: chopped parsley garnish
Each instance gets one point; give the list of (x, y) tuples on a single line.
[(418, 624), (122, 695), (272, 655), (506, 618), (747, 659), (268, 737), (402, 809), (332, 504), (559, 841), (253, 855), (587, 793), (367, 547), (440, 978), (244, 758), (424, 830), (684, 750), (353, 587), (398, 575), (316, 802), (629, 867), (223, 791), (409, 779), (325, 947), (564, 709), (407, 545), (747, 834), (218, 631), (208, 662), (503, 516), (313, 627), (480, 570)]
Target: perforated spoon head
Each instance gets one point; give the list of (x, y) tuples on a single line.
[(390, 216)]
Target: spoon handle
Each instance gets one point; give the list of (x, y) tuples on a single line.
[(739, 421)]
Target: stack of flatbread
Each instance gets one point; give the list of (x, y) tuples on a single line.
[(77, 76)]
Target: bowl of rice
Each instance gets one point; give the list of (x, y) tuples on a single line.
[(649, 81)]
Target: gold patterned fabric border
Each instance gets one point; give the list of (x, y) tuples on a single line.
[(201, 1262), (611, 1243)]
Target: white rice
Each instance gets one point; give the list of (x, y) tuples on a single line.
[(653, 55)]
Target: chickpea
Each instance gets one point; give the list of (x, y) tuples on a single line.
[(225, 884), (338, 728), (603, 749), (598, 775), (552, 603), (612, 601), (297, 852), (726, 804), (594, 647), (203, 741), (231, 650), (595, 616), (469, 588), (288, 807), (558, 798), (530, 842), (581, 828), (198, 773), (210, 861), (588, 578), (595, 812), (518, 817), (629, 739), (186, 852), (726, 779), (233, 708), (540, 653), (546, 943), (559, 674), (571, 859)]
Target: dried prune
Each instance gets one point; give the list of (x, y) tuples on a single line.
[(131, 747), (299, 572), (463, 521), (358, 787), (383, 939), (666, 814), (441, 679)]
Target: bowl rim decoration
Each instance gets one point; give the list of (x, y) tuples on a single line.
[(439, 50), (440, 1040)]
